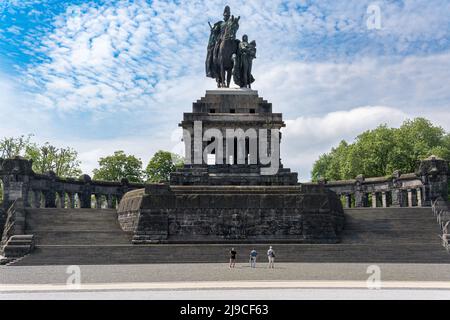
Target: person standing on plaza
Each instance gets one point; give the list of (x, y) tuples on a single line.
[(253, 255), (271, 257), (233, 254)]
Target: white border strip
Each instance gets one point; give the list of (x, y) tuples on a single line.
[(225, 285)]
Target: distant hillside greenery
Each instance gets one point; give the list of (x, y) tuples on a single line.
[(379, 152)]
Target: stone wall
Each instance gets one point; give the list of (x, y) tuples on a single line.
[(49, 191), (177, 214), (429, 182)]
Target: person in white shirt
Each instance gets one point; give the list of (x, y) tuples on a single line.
[(271, 257)]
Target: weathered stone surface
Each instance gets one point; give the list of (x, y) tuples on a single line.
[(249, 214), (47, 190), (231, 109), (420, 188), (232, 202)]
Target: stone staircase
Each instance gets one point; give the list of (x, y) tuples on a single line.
[(89, 236)]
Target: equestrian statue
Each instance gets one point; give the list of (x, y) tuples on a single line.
[(228, 56)]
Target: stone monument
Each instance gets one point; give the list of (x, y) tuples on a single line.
[(233, 187)]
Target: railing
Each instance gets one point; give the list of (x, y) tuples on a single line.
[(399, 190), (15, 222), (441, 211), (50, 191), (428, 183)]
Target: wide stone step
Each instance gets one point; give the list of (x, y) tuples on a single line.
[(405, 253), (372, 213), (61, 211), (83, 238), (389, 237)]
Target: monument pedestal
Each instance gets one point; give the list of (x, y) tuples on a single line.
[(232, 199)]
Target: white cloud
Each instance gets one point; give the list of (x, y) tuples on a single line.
[(120, 75), (17, 116), (306, 138), (315, 88)]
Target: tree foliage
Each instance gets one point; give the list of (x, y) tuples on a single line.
[(161, 165), (380, 151), (11, 147), (119, 166), (62, 161)]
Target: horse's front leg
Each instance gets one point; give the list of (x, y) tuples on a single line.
[(222, 76), (228, 78)]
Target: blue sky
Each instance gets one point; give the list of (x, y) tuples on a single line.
[(107, 75)]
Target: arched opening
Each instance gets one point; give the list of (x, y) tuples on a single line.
[(76, 201)]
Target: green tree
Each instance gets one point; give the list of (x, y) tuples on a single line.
[(415, 140), (11, 147), (119, 166), (161, 165), (62, 161), (380, 151)]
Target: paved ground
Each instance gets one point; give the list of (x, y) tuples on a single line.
[(217, 281), (246, 294), (220, 272)]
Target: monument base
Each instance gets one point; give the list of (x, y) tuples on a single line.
[(238, 214)]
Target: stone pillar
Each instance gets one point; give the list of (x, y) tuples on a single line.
[(62, 199), (410, 198), (359, 193), (58, 200), (50, 199), (85, 194), (413, 197), (384, 199), (434, 175), (395, 191), (71, 200), (396, 198), (419, 197), (374, 200)]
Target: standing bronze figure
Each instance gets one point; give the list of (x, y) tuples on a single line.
[(227, 56)]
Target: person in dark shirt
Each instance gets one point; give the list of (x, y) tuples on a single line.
[(233, 254)]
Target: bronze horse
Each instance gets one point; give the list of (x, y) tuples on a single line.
[(227, 46)]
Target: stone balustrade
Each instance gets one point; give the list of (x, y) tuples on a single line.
[(429, 182), (49, 191)]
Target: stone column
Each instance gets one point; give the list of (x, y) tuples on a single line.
[(410, 198), (374, 200), (413, 197), (58, 202), (396, 198), (50, 199), (434, 175), (384, 199), (85, 194), (109, 200), (16, 174), (419, 197), (62, 199), (359, 193), (71, 200)]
